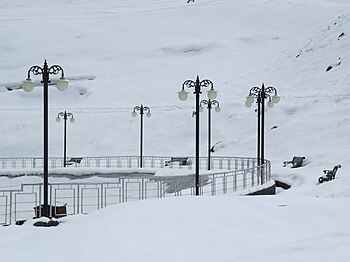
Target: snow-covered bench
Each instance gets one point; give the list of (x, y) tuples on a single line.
[(329, 174), (74, 160), (297, 161), (183, 161)]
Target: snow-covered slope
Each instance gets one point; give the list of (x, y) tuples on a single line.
[(123, 53), (192, 229)]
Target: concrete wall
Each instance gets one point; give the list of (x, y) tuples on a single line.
[(266, 191)]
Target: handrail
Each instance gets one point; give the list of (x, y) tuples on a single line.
[(120, 161), (229, 174)]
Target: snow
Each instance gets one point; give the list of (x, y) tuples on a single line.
[(119, 54), (283, 228)]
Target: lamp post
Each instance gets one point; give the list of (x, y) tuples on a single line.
[(183, 95), (141, 109), (260, 94), (209, 103), (28, 85), (65, 117)]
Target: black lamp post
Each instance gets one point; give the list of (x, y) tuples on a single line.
[(209, 103), (260, 94), (28, 85), (65, 117), (142, 109), (212, 94)]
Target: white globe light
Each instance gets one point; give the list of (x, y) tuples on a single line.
[(28, 85), (275, 99), (217, 109), (62, 84), (72, 120), (248, 104), (134, 114), (148, 114), (201, 109), (212, 94), (58, 119), (182, 95), (270, 104), (250, 99)]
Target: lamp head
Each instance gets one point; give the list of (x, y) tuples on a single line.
[(275, 99), (28, 85), (270, 104), (249, 101), (183, 95), (62, 84), (212, 94), (134, 114)]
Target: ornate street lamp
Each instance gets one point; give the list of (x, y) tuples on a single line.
[(141, 109), (183, 95), (260, 94), (65, 117), (209, 104), (28, 85)]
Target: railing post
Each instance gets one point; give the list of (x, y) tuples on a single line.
[(225, 184), (142, 188), (108, 162), (50, 201), (10, 218), (244, 180), (101, 196), (122, 180), (235, 182), (212, 185), (78, 199)]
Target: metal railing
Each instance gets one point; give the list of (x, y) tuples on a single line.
[(127, 162), (229, 174)]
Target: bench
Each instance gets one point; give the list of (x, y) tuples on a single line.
[(74, 160), (329, 174), (183, 161), (297, 161)]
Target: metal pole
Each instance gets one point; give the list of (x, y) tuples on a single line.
[(259, 116), (197, 92), (209, 131), (141, 134), (262, 130), (65, 139), (45, 80), (183, 96)]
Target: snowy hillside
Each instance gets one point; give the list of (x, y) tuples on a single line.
[(142, 53), (119, 54)]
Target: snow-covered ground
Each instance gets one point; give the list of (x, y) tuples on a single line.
[(120, 54)]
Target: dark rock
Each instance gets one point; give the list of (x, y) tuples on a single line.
[(341, 35)]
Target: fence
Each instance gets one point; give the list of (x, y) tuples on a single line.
[(128, 162), (229, 175)]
